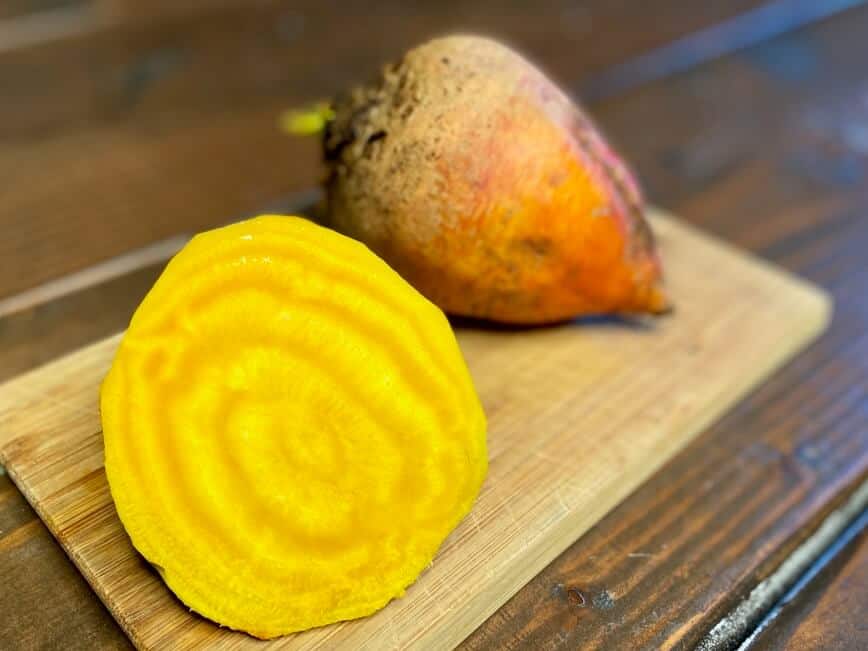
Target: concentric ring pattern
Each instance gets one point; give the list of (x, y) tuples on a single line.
[(290, 429)]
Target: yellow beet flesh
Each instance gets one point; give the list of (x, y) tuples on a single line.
[(290, 428)]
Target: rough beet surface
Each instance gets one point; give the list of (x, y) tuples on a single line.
[(482, 183)]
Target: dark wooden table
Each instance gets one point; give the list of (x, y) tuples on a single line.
[(124, 123)]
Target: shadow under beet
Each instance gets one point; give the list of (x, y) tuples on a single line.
[(636, 323)]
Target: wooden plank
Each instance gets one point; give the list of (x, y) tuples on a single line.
[(170, 125), (33, 567), (17, 8), (131, 182), (579, 416), (41, 333), (828, 613), (762, 149), (740, 31), (756, 610), (162, 55), (103, 272)]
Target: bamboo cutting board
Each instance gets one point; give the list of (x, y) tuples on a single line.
[(579, 415)]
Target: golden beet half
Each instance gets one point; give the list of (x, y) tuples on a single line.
[(290, 428), (477, 178)]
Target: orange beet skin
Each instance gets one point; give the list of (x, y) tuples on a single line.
[(479, 180)]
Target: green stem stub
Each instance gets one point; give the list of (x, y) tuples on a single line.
[(308, 121)]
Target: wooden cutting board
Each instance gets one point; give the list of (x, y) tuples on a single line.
[(579, 416)]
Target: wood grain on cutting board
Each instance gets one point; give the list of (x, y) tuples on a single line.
[(579, 415)]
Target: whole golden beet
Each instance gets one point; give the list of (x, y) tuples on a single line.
[(479, 180)]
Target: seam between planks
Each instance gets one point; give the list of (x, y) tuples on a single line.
[(745, 621)]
